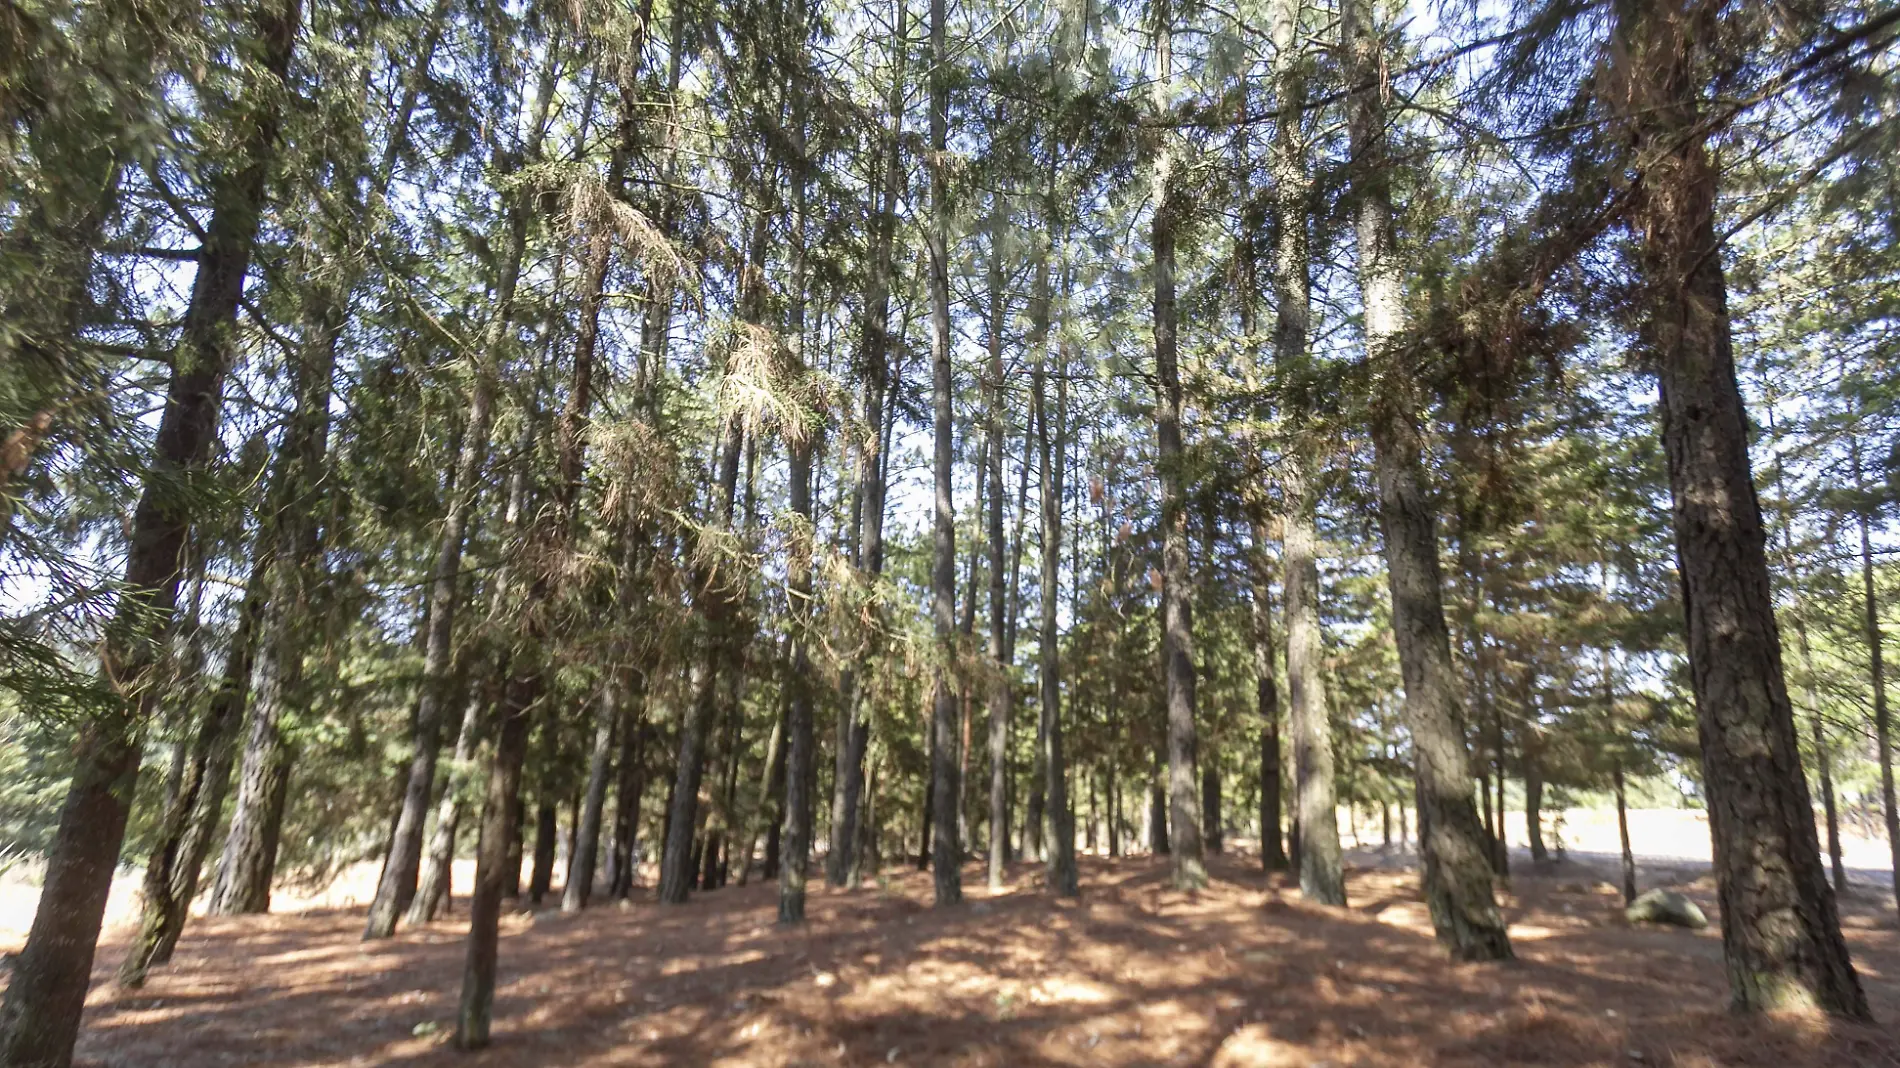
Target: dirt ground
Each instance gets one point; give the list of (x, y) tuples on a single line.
[(1242, 975)]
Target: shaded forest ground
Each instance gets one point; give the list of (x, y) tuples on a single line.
[(1239, 976)]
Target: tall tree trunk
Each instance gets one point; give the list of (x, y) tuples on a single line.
[(1059, 826), (948, 850), (627, 790), (1188, 868), (250, 853), (39, 1018), (771, 808), (475, 1012), (547, 830), (582, 862), (1780, 928), (1266, 695), (854, 729), (1534, 805), (397, 886), (1877, 678), (1001, 689), (1456, 858), (676, 858), (803, 440), (1824, 765), (1211, 834), (1158, 806)]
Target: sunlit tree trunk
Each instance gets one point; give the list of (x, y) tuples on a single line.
[(1781, 931), (1455, 854)]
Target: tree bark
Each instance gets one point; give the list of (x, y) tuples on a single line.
[(39, 1018), (1623, 834), (854, 731), (1456, 858), (1877, 678), (676, 858), (1780, 929), (582, 862), (547, 829), (1266, 697), (803, 441), (435, 886), (1059, 830), (171, 874), (396, 888), (1188, 869), (948, 850), (1534, 806), (475, 1012), (628, 789)]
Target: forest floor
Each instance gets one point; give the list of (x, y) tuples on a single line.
[(1241, 975)]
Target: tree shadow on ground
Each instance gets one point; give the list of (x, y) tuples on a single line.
[(1134, 973)]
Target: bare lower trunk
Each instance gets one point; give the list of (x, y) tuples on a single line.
[(1781, 931), (475, 1012), (627, 791), (676, 857), (434, 888), (1623, 834), (192, 811), (1266, 698), (1454, 853), (1322, 872), (1058, 830), (581, 863), (1534, 808)]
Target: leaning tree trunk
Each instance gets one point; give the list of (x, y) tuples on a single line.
[(1623, 832), (396, 889), (1781, 931), (1454, 853), (434, 887), (580, 874), (475, 1012), (250, 847), (171, 874), (39, 1018)]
